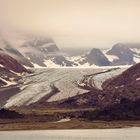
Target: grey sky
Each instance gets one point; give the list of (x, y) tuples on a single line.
[(76, 23)]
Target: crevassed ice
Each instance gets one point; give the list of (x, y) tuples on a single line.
[(37, 85)]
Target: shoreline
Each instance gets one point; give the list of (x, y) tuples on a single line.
[(71, 125)]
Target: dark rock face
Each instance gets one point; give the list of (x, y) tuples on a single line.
[(13, 52), (124, 54), (96, 57), (6, 75), (127, 78), (7, 93), (62, 61), (119, 99), (126, 85), (9, 67), (8, 114), (11, 64)]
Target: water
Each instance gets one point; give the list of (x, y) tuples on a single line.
[(96, 134)]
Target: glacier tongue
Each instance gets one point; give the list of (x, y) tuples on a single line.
[(53, 84)]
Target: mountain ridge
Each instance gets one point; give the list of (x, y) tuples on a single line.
[(40, 51)]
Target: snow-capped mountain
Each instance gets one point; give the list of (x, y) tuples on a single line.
[(8, 49), (119, 54), (124, 53), (39, 51), (35, 51), (44, 52), (94, 57)]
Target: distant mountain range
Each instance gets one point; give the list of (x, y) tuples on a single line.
[(35, 52), (119, 54), (38, 51)]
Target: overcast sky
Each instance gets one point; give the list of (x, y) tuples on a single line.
[(75, 23)]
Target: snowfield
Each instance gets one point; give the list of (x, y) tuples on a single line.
[(53, 84)]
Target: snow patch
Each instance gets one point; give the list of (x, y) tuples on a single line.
[(111, 58), (37, 66), (8, 83), (137, 79), (63, 120), (135, 50), (1, 66), (50, 64), (136, 59)]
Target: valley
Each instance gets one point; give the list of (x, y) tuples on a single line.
[(64, 98), (45, 89), (53, 84)]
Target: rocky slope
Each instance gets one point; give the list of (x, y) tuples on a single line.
[(34, 51), (39, 51), (124, 53), (119, 98), (94, 57), (11, 64), (8, 49), (119, 54), (10, 69)]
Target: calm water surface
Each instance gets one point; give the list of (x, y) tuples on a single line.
[(97, 134)]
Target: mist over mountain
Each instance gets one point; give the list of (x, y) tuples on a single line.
[(40, 51)]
